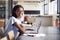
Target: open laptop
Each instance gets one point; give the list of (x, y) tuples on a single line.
[(33, 32)]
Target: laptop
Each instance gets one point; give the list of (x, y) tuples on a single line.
[(31, 32)]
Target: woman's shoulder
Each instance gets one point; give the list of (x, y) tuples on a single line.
[(12, 18)]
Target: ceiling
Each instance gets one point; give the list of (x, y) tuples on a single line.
[(23, 0), (2, 2)]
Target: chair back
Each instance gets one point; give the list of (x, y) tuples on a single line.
[(11, 35)]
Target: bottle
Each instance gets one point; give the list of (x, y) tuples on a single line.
[(56, 22), (25, 19)]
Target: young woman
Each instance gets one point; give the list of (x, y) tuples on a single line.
[(15, 21)]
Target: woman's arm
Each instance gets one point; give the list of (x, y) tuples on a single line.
[(20, 27)]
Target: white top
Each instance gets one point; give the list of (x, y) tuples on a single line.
[(10, 25)]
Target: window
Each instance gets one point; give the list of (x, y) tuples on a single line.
[(58, 6), (2, 12), (46, 9), (2, 9)]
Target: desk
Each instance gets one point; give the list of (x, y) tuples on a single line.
[(25, 37), (52, 33), (32, 36)]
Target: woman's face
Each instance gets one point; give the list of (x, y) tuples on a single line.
[(20, 12)]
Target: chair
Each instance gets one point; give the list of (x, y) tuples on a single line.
[(4, 38), (11, 35)]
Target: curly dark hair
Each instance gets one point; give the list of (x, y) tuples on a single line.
[(14, 10)]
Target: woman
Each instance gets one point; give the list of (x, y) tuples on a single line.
[(15, 20)]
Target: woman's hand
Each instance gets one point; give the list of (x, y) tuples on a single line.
[(23, 27), (23, 30), (20, 27)]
